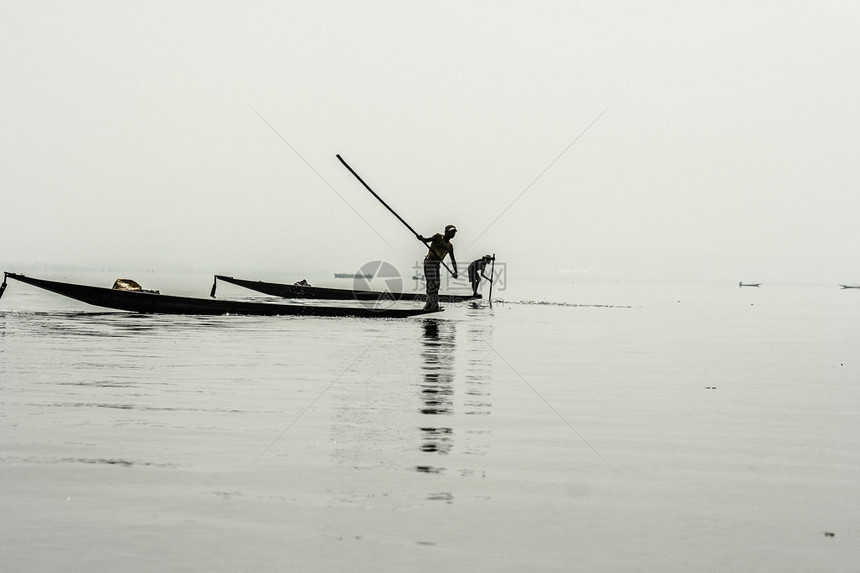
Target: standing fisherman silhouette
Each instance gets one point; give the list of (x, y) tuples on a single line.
[(439, 246)]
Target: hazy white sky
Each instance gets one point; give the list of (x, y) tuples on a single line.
[(728, 148)]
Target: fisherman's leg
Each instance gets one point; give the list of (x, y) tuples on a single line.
[(431, 278), (433, 289), (473, 279)]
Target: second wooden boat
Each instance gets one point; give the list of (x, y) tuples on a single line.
[(311, 292)]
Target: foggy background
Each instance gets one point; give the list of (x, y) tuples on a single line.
[(723, 142)]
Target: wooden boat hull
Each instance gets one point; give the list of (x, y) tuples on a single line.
[(151, 303), (324, 293)]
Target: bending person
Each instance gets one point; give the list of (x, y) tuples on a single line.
[(476, 271)]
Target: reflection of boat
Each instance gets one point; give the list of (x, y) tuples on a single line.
[(307, 291), (743, 284), (352, 276), (850, 286), (148, 302)]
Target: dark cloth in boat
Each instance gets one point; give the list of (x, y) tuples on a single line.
[(130, 285), (126, 284)]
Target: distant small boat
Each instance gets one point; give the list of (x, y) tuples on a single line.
[(352, 276), (743, 284), (850, 286)]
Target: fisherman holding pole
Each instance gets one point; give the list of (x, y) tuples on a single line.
[(439, 246), (476, 271)]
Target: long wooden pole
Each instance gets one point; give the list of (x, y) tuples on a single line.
[(393, 212), (492, 276)]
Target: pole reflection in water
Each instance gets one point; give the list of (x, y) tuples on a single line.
[(478, 381), (437, 388), (442, 382)]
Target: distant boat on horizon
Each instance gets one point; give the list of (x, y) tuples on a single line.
[(850, 286), (743, 284), (352, 276)]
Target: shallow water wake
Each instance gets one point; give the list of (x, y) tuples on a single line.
[(551, 303)]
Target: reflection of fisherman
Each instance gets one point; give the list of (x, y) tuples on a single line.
[(439, 247), (476, 271)]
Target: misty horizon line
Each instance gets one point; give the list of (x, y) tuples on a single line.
[(583, 276)]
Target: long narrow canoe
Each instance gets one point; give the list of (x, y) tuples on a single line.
[(149, 302), (310, 292)]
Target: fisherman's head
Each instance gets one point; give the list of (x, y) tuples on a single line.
[(450, 231)]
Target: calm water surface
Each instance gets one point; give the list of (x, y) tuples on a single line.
[(633, 428)]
